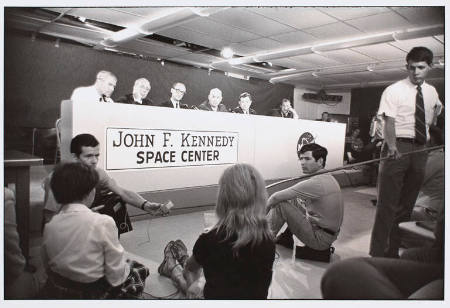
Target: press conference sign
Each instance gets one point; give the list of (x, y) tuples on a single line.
[(131, 148)]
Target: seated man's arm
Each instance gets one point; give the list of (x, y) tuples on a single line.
[(307, 189), (132, 198)]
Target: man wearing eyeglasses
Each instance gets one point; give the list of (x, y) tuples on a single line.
[(408, 107), (178, 90), (139, 96)]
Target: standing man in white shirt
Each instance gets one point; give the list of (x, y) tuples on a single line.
[(408, 108), (100, 91)]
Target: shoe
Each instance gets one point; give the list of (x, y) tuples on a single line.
[(312, 254), (168, 248), (179, 251), (285, 239), (169, 262)]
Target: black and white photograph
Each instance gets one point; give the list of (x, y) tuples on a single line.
[(250, 153)]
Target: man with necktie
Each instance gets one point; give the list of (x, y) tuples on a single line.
[(139, 96), (100, 91), (214, 102), (177, 92), (245, 101), (408, 107)]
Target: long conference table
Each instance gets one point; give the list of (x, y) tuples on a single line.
[(17, 171)]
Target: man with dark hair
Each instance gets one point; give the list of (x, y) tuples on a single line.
[(313, 209), (141, 89), (81, 252), (177, 91), (408, 107), (285, 110), (245, 101), (110, 198), (325, 117)]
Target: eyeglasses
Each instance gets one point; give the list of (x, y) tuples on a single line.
[(179, 91)]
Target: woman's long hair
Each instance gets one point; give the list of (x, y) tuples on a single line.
[(241, 206)]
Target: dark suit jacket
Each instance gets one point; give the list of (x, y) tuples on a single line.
[(238, 109), (169, 104), (128, 99), (206, 106), (277, 113)]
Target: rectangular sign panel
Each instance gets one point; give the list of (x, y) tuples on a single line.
[(133, 148)]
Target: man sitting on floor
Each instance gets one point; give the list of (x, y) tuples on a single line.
[(81, 251), (109, 196), (313, 209)]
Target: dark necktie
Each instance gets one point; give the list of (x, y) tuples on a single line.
[(103, 98), (421, 132)]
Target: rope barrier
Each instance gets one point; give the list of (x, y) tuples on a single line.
[(351, 166)]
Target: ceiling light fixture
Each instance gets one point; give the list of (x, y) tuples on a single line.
[(227, 53), (162, 63), (57, 42)]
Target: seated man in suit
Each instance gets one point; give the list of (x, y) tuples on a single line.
[(285, 110), (100, 91), (139, 96), (213, 102), (177, 92), (245, 101), (85, 148)]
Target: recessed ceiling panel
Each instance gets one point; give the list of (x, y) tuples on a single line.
[(263, 44), (434, 45), (295, 38), (190, 36), (422, 15), (107, 15), (315, 60), (220, 31), (297, 17), (381, 52), (347, 56), (333, 31), (385, 22), (346, 13), (249, 21)]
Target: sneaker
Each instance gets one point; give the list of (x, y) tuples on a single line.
[(179, 251), (169, 262), (312, 254), (285, 239)]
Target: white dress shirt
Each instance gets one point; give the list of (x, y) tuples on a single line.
[(88, 95), (83, 246), (399, 101)]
